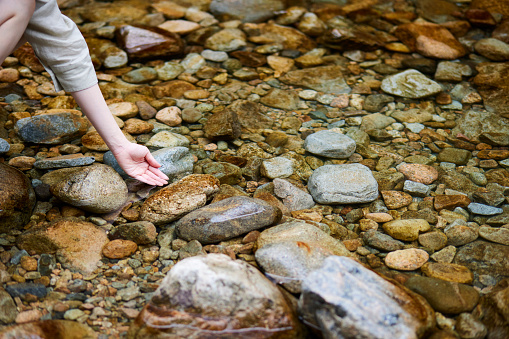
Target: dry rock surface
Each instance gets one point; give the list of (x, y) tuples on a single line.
[(338, 169)]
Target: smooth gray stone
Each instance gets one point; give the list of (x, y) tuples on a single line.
[(330, 144), (226, 219), (289, 262), (176, 162), (343, 184), (416, 188), (382, 241), (64, 161), (293, 197), (482, 209), (4, 146), (347, 300)]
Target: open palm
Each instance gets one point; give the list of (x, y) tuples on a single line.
[(138, 163)]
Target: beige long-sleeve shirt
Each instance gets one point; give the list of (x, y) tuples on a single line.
[(60, 47)]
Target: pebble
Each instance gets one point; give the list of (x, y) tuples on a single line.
[(433, 241), (410, 84), (293, 197), (382, 241), (423, 174), (119, 248), (498, 235), (140, 232), (406, 260), (448, 272), (444, 296), (396, 199), (406, 229), (416, 188), (339, 184), (4, 146), (482, 209), (70, 160), (330, 144), (277, 167)]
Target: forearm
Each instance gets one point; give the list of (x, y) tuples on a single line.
[(93, 105)]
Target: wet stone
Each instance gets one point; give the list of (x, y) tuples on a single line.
[(70, 160), (406, 229), (337, 184), (444, 296), (227, 173), (330, 144), (4, 146), (407, 259), (97, 188), (396, 199), (419, 173), (21, 289), (226, 219), (382, 241), (454, 155), (433, 241), (277, 167), (458, 234), (482, 209), (293, 197), (343, 284), (450, 202), (416, 188), (448, 272), (179, 198), (51, 128), (209, 281), (410, 84), (288, 263), (497, 235), (141, 232), (17, 199)]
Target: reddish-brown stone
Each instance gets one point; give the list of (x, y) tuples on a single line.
[(430, 40), (498, 154), (450, 202)]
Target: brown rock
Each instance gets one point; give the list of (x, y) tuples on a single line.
[(77, 244), (17, 199), (493, 154), (26, 56), (492, 6), (9, 75), (420, 173), (28, 263), (406, 260), (250, 115), (222, 125), (137, 126), (492, 82), (493, 310), (450, 202), (448, 272), (499, 176), (149, 42), (430, 40), (179, 198), (250, 59), (174, 89), (119, 248), (49, 329), (271, 33), (396, 199)]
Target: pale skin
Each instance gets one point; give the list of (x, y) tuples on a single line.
[(134, 159)]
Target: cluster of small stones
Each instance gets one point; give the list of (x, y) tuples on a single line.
[(382, 125)]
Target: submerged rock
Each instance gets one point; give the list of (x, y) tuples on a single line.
[(97, 188), (201, 296), (17, 199), (179, 198), (340, 184), (77, 244), (346, 300), (226, 219), (51, 128)]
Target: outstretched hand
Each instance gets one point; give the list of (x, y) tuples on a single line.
[(138, 163)]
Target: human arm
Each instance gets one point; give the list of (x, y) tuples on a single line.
[(134, 159)]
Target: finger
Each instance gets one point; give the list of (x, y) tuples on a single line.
[(156, 178), (151, 160), (146, 179), (158, 173)]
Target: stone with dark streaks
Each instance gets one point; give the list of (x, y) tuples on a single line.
[(226, 219)]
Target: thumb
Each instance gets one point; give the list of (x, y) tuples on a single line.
[(151, 161)]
